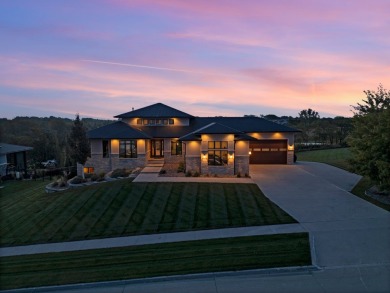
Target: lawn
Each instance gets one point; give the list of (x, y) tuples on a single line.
[(121, 208), (229, 254), (336, 157)]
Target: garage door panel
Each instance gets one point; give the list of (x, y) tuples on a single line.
[(268, 152)]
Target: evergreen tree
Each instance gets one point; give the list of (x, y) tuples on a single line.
[(78, 142)]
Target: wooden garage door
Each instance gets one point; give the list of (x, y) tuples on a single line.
[(268, 152)]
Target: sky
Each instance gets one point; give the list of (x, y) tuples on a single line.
[(101, 58)]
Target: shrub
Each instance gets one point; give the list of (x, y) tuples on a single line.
[(162, 171), (247, 175), (181, 167), (196, 174), (188, 174), (77, 180), (238, 175), (94, 177), (120, 173), (101, 176)]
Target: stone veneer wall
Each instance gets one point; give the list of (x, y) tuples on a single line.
[(114, 162), (193, 164), (168, 158), (219, 170), (242, 165), (290, 157)]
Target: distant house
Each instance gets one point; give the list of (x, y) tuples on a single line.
[(208, 145), (13, 157)]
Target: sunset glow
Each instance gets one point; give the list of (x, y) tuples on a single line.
[(209, 58)]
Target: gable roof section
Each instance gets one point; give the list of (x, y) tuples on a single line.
[(158, 110), (117, 130), (6, 148)]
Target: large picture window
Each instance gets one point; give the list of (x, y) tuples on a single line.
[(127, 149), (218, 154), (176, 148)]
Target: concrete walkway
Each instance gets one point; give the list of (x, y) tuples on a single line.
[(149, 239)]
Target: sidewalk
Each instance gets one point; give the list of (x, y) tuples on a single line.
[(149, 239)]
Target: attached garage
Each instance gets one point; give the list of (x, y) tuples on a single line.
[(268, 151)]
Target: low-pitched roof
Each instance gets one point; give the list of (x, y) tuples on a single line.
[(118, 130), (216, 128), (6, 148), (158, 110)]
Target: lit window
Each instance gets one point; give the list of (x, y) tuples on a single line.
[(176, 148), (171, 121), (127, 149), (139, 121), (89, 170), (218, 155)]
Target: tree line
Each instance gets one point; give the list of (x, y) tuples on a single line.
[(51, 137)]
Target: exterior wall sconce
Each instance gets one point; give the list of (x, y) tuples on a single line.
[(291, 147), (204, 153), (250, 152)]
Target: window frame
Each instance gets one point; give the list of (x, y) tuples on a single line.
[(126, 145), (216, 149), (106, 148), (175, 146)]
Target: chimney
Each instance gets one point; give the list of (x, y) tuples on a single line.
[(132, 109)]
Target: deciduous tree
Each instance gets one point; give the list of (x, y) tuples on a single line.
[(370, 137)]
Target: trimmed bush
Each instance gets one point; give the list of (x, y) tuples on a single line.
[(181, 167), (120, 173), (77, 180)]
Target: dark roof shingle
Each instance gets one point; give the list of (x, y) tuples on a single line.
[(158, 110), (117, 130)]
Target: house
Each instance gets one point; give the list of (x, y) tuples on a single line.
[(13, 158), (208, 145)]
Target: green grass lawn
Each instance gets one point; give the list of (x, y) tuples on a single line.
[(155, 260), (336, 157), (120, 208)]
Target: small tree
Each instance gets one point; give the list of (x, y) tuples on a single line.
[(78, 142), (370, 137)]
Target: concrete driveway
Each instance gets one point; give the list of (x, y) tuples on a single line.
[(345, 229)]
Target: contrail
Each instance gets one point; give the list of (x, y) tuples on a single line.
[(154, 67)]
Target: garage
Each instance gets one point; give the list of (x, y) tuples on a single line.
[(268, 152)]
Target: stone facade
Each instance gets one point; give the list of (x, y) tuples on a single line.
[(114, 162), (290, 157), (242, 165), (193, 164)]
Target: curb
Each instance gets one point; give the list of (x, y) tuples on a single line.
[(262, 272)]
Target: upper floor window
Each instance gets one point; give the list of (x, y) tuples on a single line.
[(155, 121), (127, 149)]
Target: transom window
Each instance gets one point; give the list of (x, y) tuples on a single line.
[(159, 122), (218, 154), (127, 149), (176, 148)]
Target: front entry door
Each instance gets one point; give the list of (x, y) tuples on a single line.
[(157, 150)]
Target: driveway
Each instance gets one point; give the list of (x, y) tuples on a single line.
[(345, 229)]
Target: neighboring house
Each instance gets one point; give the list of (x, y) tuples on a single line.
[(13, 157), (208, 145)]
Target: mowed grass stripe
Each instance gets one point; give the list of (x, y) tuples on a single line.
[(186, 211), (124, 208), (155, 260)]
